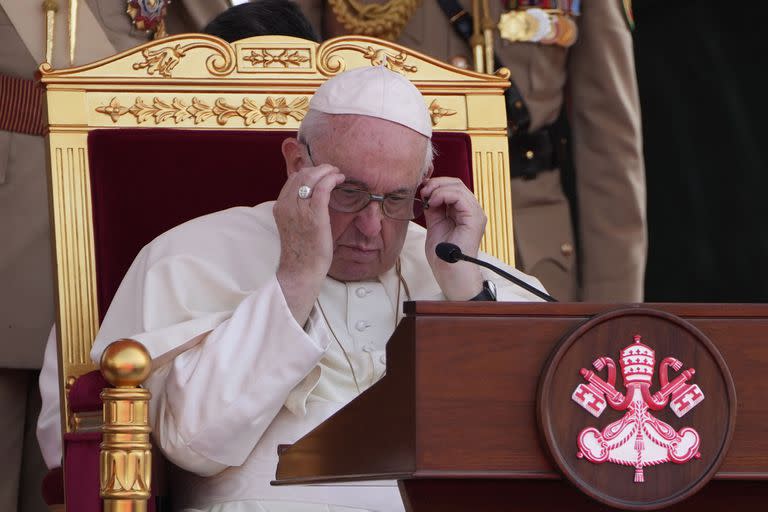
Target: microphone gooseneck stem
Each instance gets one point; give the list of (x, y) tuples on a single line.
[(519, 282)]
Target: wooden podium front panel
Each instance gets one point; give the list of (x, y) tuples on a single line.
[(744, 346), (476, 392), (479, 418), (459, 396)]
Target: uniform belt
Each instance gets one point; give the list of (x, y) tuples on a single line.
[(21, 106), (529, 153), (533, 152), (517, 113)]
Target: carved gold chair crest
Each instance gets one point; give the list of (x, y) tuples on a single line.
[(198, 82)]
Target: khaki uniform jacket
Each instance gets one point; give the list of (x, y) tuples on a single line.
[(26, 282), (596, 79)]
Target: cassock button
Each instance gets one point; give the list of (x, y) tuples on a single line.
[(362, 325), (566, 249), (361, 292)]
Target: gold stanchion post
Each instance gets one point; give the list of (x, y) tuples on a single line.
[(126, 453)]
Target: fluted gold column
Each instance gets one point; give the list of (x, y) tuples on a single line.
[(126, 453)]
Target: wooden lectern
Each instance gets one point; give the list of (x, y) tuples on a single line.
[(455, 418)]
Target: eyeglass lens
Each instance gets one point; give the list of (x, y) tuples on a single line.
[(395, 206)]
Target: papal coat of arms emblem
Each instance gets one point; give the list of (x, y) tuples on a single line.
[(638, 439)]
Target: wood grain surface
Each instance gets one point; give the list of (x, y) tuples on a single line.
[(458, 401)]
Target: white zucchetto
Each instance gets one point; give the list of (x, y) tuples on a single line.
[(374, 92)]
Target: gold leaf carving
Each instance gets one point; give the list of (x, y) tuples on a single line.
[(113, 110), (224, 111), (163, 111), (161, 60), (141, 111), (278, 110), (392, 61), (199, 111), (436, 112), (159, 110), (274, 110), (180, 111), (249, 111), (331, 61), (263, 58), (126, 471)]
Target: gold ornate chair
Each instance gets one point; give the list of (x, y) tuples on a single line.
[(171, 130)]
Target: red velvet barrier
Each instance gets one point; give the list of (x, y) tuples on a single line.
[(81, 483), (84, 395), (81, 463), (53, 487), (146, 181), (81, 450)]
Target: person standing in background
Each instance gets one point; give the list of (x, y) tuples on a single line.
[(587, 66), (261, 18), (26, 281), (703, 101)]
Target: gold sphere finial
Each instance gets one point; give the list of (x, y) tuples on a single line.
[(125, 363)]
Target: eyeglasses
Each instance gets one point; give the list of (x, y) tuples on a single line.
[(347, 198)]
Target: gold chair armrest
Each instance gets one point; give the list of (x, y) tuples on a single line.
[(125, 464)]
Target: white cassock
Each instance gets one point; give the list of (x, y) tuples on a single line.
[(234, 375), (49, 420)]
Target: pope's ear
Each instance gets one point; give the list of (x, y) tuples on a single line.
[(294, 155), (429, 172)]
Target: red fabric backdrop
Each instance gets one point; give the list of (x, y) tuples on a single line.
[(146, 181)]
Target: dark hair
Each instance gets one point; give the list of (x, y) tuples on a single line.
[(261, 18)]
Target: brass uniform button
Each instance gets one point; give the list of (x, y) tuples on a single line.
[(459, 61), (529, 155), (566, 249)]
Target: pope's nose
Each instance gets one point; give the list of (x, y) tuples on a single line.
[(368, 220)]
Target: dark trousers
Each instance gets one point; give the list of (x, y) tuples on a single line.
[(22, 468)]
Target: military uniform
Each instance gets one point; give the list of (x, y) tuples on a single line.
[(26, 284), (596, 79)]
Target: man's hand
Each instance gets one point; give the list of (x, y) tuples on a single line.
[(306, 242), (454, 216)]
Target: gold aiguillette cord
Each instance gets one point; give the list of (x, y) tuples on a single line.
[(50, 7), (72, 30)]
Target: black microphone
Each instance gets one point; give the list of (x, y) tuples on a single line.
[(448, 252), (451, 253)]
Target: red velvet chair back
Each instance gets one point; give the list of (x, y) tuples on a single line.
[(146, 181)]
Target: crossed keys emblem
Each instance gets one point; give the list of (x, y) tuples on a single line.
[(638, 439)]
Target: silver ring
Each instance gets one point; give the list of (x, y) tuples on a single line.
[(304, 192)]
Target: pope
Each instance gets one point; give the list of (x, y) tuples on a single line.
[(263, 321)]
